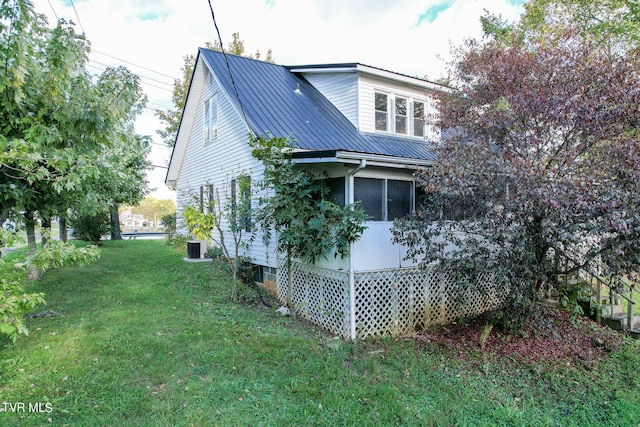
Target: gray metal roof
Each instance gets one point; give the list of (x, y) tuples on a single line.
[(282, 103)]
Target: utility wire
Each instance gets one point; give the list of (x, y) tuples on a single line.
[(141, 76), (226, 59), (54, 11), (135, 65), (77, 16)]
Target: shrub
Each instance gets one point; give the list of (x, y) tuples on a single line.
[(90, 227)]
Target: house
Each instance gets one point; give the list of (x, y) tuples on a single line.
[(131, 220), (364, 128)]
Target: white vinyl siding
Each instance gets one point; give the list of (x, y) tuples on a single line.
[(215, 165), (340, 89)]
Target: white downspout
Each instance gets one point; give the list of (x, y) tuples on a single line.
[(352, 284)]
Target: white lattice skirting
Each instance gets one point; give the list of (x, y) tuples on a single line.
[(387, 302)]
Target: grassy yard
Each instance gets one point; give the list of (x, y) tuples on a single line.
[(145, 339)]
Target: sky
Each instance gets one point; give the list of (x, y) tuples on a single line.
[(151, 37)]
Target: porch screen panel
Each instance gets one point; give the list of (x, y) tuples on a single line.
[(398, 199), (336, 190), (370, 193)]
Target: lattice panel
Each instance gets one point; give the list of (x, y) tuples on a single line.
[(387, 302), (320, 295), (395, 302)]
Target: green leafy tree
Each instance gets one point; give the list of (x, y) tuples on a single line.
[(14, 301), (152, 208), (56, 125), (171, 117), (613, 25), (309, 224), (227, 216)]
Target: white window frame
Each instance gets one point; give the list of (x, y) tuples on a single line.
[(424, 118), (376, 111), (210, 119), (405, 115), (409, 117)]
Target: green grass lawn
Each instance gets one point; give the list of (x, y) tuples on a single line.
[(146, 339)]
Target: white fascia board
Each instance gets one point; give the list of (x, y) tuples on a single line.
[(372, 160), (186, 124), (303, 70), (390, 75)]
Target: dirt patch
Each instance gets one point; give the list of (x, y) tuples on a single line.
[(549, 338)]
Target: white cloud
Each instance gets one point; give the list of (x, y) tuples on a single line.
[(156, 34)]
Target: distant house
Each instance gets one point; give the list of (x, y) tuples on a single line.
[(130, 220), (365, 129)]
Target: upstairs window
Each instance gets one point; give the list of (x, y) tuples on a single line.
[(210, 119), (401, 115), (418, 119), (382, 112)]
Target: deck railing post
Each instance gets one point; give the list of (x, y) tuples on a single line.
[(630, 307)]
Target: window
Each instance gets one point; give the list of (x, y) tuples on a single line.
[(381, 112), (210, 194), (336, 190), (399, 195), (418, 119), (401, 115), (384, 199), (211, 119), (370, 193), (241, 206)]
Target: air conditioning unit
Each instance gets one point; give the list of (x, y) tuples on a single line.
[(196, 249)]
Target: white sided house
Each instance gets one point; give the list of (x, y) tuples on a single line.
[(364, 128)]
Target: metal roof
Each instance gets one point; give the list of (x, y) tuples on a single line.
[(282, 103)]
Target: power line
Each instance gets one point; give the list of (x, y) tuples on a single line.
[(54, 11), (135, 65), (77, 16), (226, 59), (158, 105), (142, 76)]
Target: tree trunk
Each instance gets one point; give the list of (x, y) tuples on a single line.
[(30, 224), (45, 231), (116, 233), (234, 267), (63, 229)]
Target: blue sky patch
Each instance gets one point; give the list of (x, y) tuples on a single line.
[(434, 11), (152, 16), (270, 3)]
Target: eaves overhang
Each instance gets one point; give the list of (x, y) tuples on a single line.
[(350, 157)]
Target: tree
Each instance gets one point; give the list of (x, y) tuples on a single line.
[(612, 24), (57, 128), (298, 208), (219, 219), (539, 173), (151, 207), (171, 117), (62, 134)]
